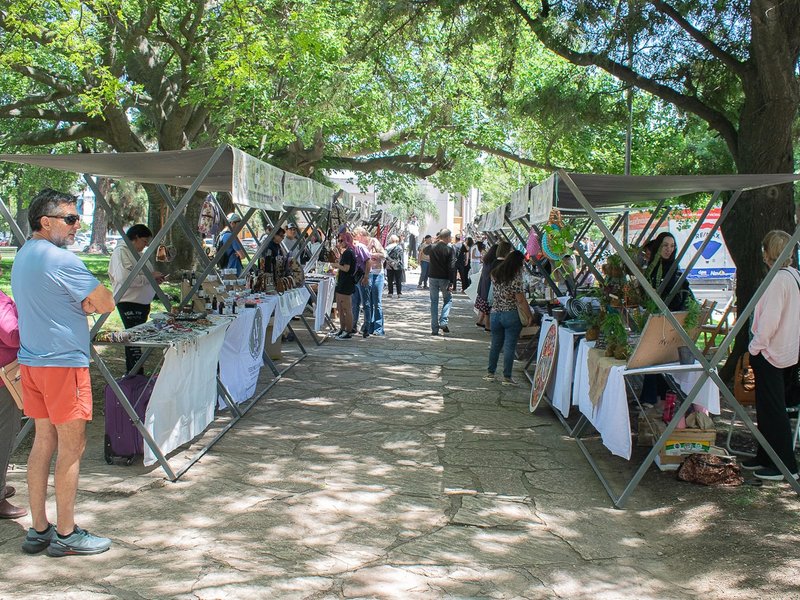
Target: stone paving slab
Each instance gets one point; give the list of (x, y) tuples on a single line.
[(387, 468)]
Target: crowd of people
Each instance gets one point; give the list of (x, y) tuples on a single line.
[(45, 329)]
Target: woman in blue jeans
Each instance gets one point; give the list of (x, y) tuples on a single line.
[(508, 296)]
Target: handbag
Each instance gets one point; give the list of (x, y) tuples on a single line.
[(744, 381), (523, 316), (11, 377), (710, 469)]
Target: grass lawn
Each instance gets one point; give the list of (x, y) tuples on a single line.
[(98, 265)]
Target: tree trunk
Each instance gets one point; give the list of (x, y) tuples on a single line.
[(176, 237), (97, 243), (766, 120)]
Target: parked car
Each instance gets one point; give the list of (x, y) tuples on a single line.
[(250, 244)]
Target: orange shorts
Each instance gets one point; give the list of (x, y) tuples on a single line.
[(60, 394)]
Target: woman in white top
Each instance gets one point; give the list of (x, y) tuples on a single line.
[(476, 256), (773, 348), (134, 304)]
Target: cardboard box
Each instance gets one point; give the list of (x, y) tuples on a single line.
[(683, 442)]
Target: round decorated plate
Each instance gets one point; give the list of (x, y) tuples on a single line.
[(544, 366)]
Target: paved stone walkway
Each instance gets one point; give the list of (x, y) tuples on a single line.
[(386, 468)]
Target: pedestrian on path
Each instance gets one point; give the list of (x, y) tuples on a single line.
[(509, 301), (441, 273), (424, 260), (395, 273), (54, 292)]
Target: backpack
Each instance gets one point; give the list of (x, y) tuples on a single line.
[(394, 258), (210, 220)]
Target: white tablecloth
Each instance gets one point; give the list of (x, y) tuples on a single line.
[(241, 357), (325, 293), (559, 390), (290, 304), (182, 403), (610, 417)]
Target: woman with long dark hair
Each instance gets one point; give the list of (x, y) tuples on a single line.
[(661, 253), (496, 253), (508, 300)]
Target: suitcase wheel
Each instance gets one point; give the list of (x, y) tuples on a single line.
[(107, 452)]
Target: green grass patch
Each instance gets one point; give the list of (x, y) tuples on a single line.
[(98, 266)]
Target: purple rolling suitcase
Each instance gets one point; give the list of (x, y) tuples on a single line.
[(123, 440)]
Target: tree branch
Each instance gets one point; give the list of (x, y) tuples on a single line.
[(42, 77), (57, 136), (714, 118), (698, 36), (396, 164), (44, 114), (545, 166)]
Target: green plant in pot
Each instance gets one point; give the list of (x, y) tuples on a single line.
[(593, 320), (616, 336)]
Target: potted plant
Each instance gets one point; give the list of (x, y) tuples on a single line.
[(616, 336), (593, 320)]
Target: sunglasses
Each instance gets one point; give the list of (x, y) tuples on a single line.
[(68, 219)]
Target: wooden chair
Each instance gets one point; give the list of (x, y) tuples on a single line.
[(710, 331), (706, 310)]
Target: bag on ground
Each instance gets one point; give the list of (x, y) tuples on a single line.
[(123, 440), (710, 469)]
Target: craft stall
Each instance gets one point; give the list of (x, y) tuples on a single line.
[(201, 360), (572, 372)]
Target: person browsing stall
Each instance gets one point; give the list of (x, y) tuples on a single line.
[(774, 349), (54, 292), (134, 303), (10, 415), (509, 299), (373, 308), (235, 253), (345, 285)]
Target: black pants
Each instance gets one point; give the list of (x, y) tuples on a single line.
[(463, 273), (395, 277), (773, 422), (653, 387), (132, 314)]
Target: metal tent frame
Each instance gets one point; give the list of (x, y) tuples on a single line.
[(253, 185), (589, 192)]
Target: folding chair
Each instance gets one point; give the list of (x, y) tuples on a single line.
[(710, 331), (706, 310)]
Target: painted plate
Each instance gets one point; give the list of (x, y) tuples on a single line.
[(544, 366)]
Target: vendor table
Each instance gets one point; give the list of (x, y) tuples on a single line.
[(243, 353), (184, 396), (559, 390), (610, 417)]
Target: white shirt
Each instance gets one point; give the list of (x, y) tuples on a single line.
[(119, 267)]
